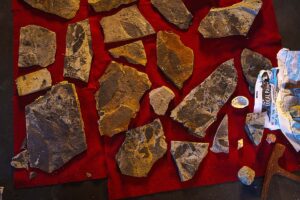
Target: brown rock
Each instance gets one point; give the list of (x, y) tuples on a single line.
[(200, 107), (174, 59), (37, 46), (134, 53), (232, 20), (63, 8), (126, 24), (141, 149), (252, 62), (175, 12), (79, 52), (160, 99), (55, 129), (121, 88), (107, 5), (34, 82)]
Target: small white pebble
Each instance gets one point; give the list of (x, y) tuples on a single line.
[(246, 175), (240, 144)]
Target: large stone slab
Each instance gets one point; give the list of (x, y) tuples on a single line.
[(34, 82), (79, 52), (175, 12), (126, 24), (232, 20), (107, 5), (121, 88), (221, 140), (142, 148), (252, 62), (55, 129), (63, 8), (133, 52), (174, 59), (188, 156), (200, 107), (37, 46)]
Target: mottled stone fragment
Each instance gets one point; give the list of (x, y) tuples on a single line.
[(221, 140), (63, 8), (55, 129), (200, 107), (271, 138), (188, 156), (127, 24), (134, 53), (174, 59), (240, 102), (175, 12), (252, 63), (255, 124), (1, 192), (21, 160), (142, 148), (228, 21), (121, 88), (79, 52), (246, 175), (295, 111), (37, 46), (32, 175), (107, 5), (160, 99), (34, 82)]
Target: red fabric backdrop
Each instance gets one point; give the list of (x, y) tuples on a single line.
[(209, 53)]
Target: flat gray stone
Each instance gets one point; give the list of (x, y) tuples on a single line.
[(55, 129), (127, 24), (188, 156), (254, 126), (232, 20), (221, 140), (37, 46), (142, 148), (200, 107), (175, 12), (79, 52)]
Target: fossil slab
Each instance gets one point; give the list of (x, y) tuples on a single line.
[(118, 98), (255, 124), (175, 12), (55, 129), (174, 59), (37, 46), (79, 52), (127, 24), (228, 21), (34, 82), (63, 8), (246, 175), (188, 156), (200, 107), (21, 160), (221, 141), (107, 5), (160, 99), (252, 63), (134, 53), (142, 148)]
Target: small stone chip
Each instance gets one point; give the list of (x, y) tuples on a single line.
[(246, 175), (32, 175), (175, 12), (88, 174), (295, 111), (240, 102), (37, 46), (21, 160), (1, 192), (240, 144), (188, 156), (271, 138), (134, 53), (79, 52), (127, 24), (34, 82), (160, 99), (107, 5), (63, 8)]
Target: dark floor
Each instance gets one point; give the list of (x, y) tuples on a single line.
[(288, 16)]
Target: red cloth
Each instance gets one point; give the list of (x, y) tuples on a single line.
[(209, 53)]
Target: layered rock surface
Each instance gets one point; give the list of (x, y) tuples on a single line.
[(107, 5), (254, 126)]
